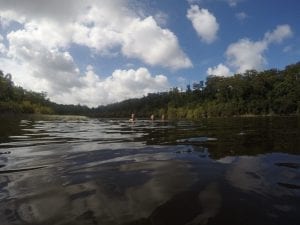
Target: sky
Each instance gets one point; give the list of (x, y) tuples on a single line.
[(96, 52)]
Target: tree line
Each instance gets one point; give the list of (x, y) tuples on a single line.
[(15, 99), (270, 92)]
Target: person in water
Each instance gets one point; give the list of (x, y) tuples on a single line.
[(152, 117), (132, 119)]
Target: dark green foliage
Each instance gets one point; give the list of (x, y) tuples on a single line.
[(61, 109), (253, 93), (15, 99), (271, 92), (152, 104)]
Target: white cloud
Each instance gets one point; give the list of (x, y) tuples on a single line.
[(54, 71), (39, 57), (3, 49), (154, 45), (68, 86), (104, 26), (161, 18), (246, 54), (204, 22), (34, 36), (122, 84), (138, 38), (279, 34), (241, 16), (42, 60), (23, 11), (219, 70)]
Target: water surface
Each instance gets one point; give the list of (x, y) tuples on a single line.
[(100, 171)]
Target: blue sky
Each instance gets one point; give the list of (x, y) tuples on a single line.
[(98, 52)]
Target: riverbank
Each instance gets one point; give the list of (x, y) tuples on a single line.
[(42, 116)]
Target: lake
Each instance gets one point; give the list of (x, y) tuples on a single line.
[(63, 170)]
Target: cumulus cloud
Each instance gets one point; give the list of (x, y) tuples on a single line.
[(246, 54), (3, 49), (161, 45), (43, 61), (279, 34), (39, 57), (140, 38), (86, 88), (219, 70), (122, 84), (54, 71), (204, 22), (103, 26)]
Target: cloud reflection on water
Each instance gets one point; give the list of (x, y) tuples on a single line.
[(114, 175)]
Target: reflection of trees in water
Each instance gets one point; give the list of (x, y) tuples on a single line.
[(165, 184), (251, 136), (234, 136)]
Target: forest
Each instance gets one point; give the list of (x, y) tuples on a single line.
[(269, 92), (15, 99)]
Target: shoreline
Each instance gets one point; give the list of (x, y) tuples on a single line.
[(43, 116), (84, 117)]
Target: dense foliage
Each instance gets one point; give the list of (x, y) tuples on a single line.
[(271, 92), (16, 99)]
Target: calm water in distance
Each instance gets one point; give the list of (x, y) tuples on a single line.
[(100, 171)]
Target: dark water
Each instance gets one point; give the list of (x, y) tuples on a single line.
[(94, 171)]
